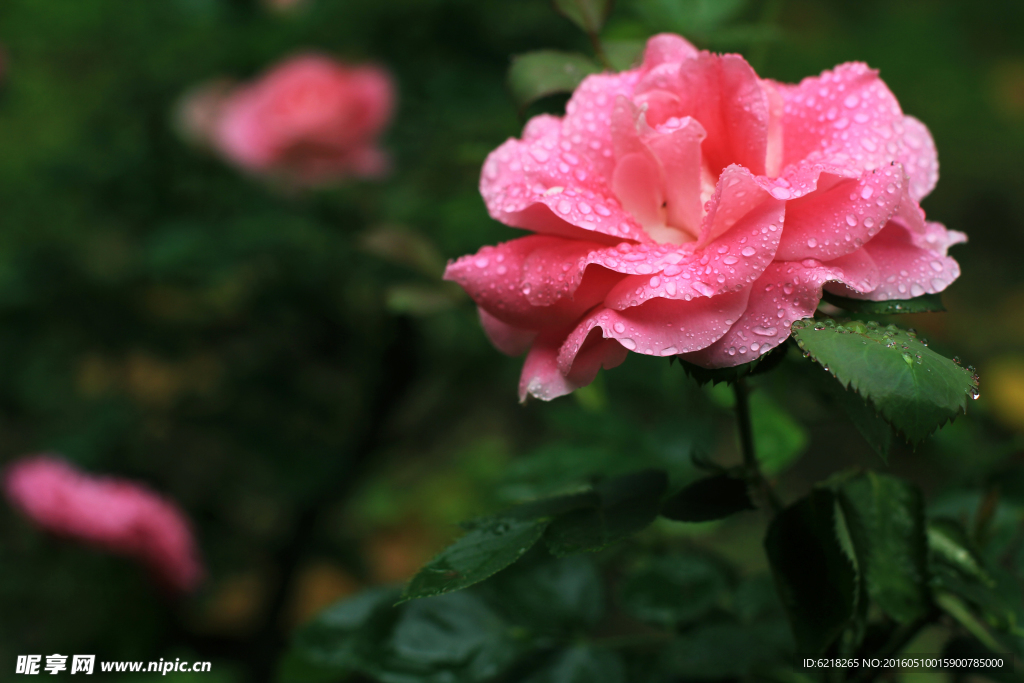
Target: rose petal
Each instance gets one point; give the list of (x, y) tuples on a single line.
[(919, 158), (830, 223), (660, 327), (512, 341), (787, 291), (542, 378), (667, 48)]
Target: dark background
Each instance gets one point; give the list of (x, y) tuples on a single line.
[(290, 368)]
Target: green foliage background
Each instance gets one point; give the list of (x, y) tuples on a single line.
[(319, 403)]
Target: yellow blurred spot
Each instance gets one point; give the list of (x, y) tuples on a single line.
[(1003, 387), (318, 586), (1007, 88), (147, 379), (236, 605)]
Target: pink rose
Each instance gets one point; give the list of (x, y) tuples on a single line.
[(114, 514), (688, 207), (310, 119)]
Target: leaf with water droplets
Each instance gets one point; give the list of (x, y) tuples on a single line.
[(916, 397), (929, 303), (589, 15), (489, 547), (547, 72)]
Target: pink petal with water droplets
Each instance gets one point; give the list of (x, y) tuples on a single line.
[(830, 223), (660, 327), (919, 158), (678, 150), (536, 184), (512, 341), (533, 282), (667, 48), (846, 115), (542, 378), (586, 128), (910, 264), (787, 291)]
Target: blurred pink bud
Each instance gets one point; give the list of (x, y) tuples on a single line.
[(310, 119), (114, 514)]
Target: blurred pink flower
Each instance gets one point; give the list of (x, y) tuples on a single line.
[(311, 120), (688, 207), (114, 514)]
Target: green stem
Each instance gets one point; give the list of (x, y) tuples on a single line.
[(750, 464), (602, 56)]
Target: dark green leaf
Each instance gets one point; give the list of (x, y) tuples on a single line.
[(885, 518), (340, 635), (706, 499), (488, 548), (875, 430), (550, 595), (628, 504), (624, 54), (589, 15), (582, 664), (547, 72), (727, 650), (929, 303), (450, 632), (674, 589), (914, 388), (814, 576)]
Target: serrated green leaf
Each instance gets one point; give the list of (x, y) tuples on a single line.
[(534, 75), (674, 589), (707, 499), (582, 664), (487, 549), (589, 15), (875, 430), (915, 389), (928, 303), (548, 595), (814, 576), (885, 518), (628, 504)]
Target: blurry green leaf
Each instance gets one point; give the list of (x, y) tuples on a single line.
[(689, 17), (955, 607), (949, 543), (339, 636), (295, 669), (722, 651), (628, 504), (582, 664), (885, 519), (914, 388), (756, 598), (779, 439), (552, 507), (929, 303), (624, 54), (589, 15), (674, 589), (488, 548), (458, 636), (404, 246), (815, 578), (706, 499), (550, 595), (421, 300), (547, 72)]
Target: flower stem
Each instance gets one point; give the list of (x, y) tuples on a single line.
[(602, 56), (761, 486)]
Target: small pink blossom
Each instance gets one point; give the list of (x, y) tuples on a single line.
[(114, 514), (310, 119), (688, 207)]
